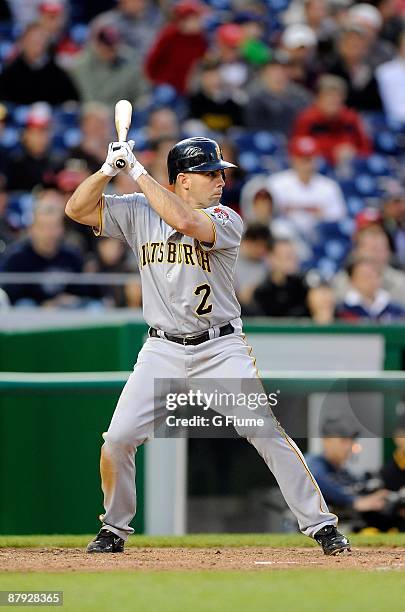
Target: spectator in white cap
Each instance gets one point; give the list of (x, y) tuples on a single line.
[(352, 64), (368, 17), (300, 43), (318, 16)]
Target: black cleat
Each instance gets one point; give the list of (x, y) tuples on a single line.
[(106, 542), (332, 542)]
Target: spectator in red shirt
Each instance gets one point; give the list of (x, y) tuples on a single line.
[(337, 129), (178, 46)]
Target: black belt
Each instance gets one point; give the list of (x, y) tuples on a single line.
[(225, 330)]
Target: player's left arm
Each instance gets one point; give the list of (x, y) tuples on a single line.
[(175, 212)]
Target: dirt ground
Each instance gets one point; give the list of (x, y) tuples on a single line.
[(76, 560)]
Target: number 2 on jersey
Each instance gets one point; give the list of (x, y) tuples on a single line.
[(203, 308)]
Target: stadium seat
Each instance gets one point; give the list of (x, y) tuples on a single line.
[(19, 210)]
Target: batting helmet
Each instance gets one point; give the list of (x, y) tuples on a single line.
[(195, 155)]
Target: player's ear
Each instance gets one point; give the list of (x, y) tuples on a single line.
[(183, 180)]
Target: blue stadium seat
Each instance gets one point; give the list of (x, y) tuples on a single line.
[(220, 5), (366, 185), (79, 33), (250, 162), (10, 138), (19, 115), (19, 210), (72, 137), (354, 205), (333, 241), (65, 118)]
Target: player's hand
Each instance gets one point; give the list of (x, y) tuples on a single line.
[(373, 502), (119, 157)]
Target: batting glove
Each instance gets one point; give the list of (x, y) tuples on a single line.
[(120, 157)]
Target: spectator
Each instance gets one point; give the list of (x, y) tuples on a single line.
[(392, 21), (105, 71), (321, 304), (33, 163), (43, 251), (391, 82), (69, 177), (6, 234), (3, 132), (96, 127), (110, 257), (178, 47), (256, 201), (299, 42), (157, 164), (352, 65), (228, 44), (52, 17), (251, 269), (212, 103), (340, 488), (372, 243), (393, 472), (393, 220), (28, 77), (138, 22), (235, 177), (5, 13), (370, 20), (162, 123), (366, 299), (257, 205), (254, 28), (274, 101), (338, 130), (304, 196), (283, 292), (318, 16)]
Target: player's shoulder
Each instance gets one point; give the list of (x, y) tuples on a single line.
[(223, 214)]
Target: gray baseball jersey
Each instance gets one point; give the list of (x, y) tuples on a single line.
[(187, 286)]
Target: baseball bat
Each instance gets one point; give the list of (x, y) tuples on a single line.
[(123, 116)]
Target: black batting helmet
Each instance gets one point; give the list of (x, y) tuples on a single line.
[(195, 155)]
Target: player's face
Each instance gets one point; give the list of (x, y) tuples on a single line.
[(205, 188)]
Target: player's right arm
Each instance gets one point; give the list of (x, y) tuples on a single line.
[(84, 204)]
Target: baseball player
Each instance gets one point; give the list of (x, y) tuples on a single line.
[(187, 244)]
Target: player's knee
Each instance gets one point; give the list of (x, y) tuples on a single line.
[(120, 442)]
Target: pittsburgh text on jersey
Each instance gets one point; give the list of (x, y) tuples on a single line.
[(174, 252)]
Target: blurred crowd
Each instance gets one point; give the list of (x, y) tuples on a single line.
[(364, 500), (307, 97)]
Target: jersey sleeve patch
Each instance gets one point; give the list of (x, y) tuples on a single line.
[(221, 215)]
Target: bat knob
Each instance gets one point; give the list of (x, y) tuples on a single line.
[(120, 164)]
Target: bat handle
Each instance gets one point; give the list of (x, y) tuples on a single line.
[(120, 163)]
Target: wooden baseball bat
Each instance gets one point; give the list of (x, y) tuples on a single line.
[(123, 116)]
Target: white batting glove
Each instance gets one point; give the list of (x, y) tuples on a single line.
[(120, 157)]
